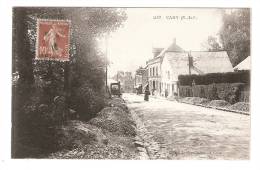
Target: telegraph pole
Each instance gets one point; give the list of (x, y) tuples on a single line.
[(106, 61), (189, 62)]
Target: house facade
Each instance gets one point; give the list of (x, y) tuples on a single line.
[(171, 64), (154, 76), (154, 67), (193, 62)]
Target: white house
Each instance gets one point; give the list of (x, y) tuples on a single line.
[(173, 64), (155, 69), (194, 62), (244, 65)]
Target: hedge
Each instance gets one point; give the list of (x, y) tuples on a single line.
[(230, 92), (206, 79)]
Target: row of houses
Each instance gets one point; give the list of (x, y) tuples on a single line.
[(161, 72)]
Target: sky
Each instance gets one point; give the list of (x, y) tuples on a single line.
[(131, 45)]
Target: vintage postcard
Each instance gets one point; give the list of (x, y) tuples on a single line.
[(131, 83)]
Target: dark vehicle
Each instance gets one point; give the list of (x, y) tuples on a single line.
[(115, 89)]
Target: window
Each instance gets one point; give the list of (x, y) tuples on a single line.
[(168, 74), (156, 71)]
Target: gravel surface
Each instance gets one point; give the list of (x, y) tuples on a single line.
[(173, 130), (218, 103), (113, 120), (194, 100), (240, 106)]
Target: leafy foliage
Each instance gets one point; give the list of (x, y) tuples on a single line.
[(80, 82), (205, 79), (235, 34), (211, 44), (230, 92)]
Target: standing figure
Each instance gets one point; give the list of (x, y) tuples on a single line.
[(51, 39), (146, 93), (166, 93)]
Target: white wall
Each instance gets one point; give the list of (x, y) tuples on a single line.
[(169, 82)]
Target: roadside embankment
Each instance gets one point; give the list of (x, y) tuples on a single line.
[(109, 135)]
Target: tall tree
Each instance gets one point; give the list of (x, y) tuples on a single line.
[(40, 82), (211, 44), (235, 34)]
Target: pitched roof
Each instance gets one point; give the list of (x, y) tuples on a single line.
[(203, 62), (212, 62), (173, 47), (244, 65), (178, 62)]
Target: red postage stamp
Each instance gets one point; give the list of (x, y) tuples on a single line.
[(53, 40)]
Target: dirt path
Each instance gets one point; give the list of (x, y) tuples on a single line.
[(172, 130)]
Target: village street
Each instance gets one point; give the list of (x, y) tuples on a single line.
[(183, 131)]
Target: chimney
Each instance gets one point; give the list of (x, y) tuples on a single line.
[(156, 51), (174, 40)]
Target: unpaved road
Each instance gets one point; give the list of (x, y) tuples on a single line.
[(185, 131)]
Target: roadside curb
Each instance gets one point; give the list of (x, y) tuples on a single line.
[(139, 141), (218, 108)]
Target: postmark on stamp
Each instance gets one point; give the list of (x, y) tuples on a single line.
[(53, 40)]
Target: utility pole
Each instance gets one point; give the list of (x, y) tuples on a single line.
[(189, 62), (106, 61)]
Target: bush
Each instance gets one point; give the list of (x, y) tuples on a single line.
[(185, 91), (230, 92), (206, 79), (244, 96), (87, 102), (33, 130)]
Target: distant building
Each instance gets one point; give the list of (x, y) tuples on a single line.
[(141, 79), (119, 77), (128, 83), (244, 65), (126, 80), (194, 62), (145, 78)]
